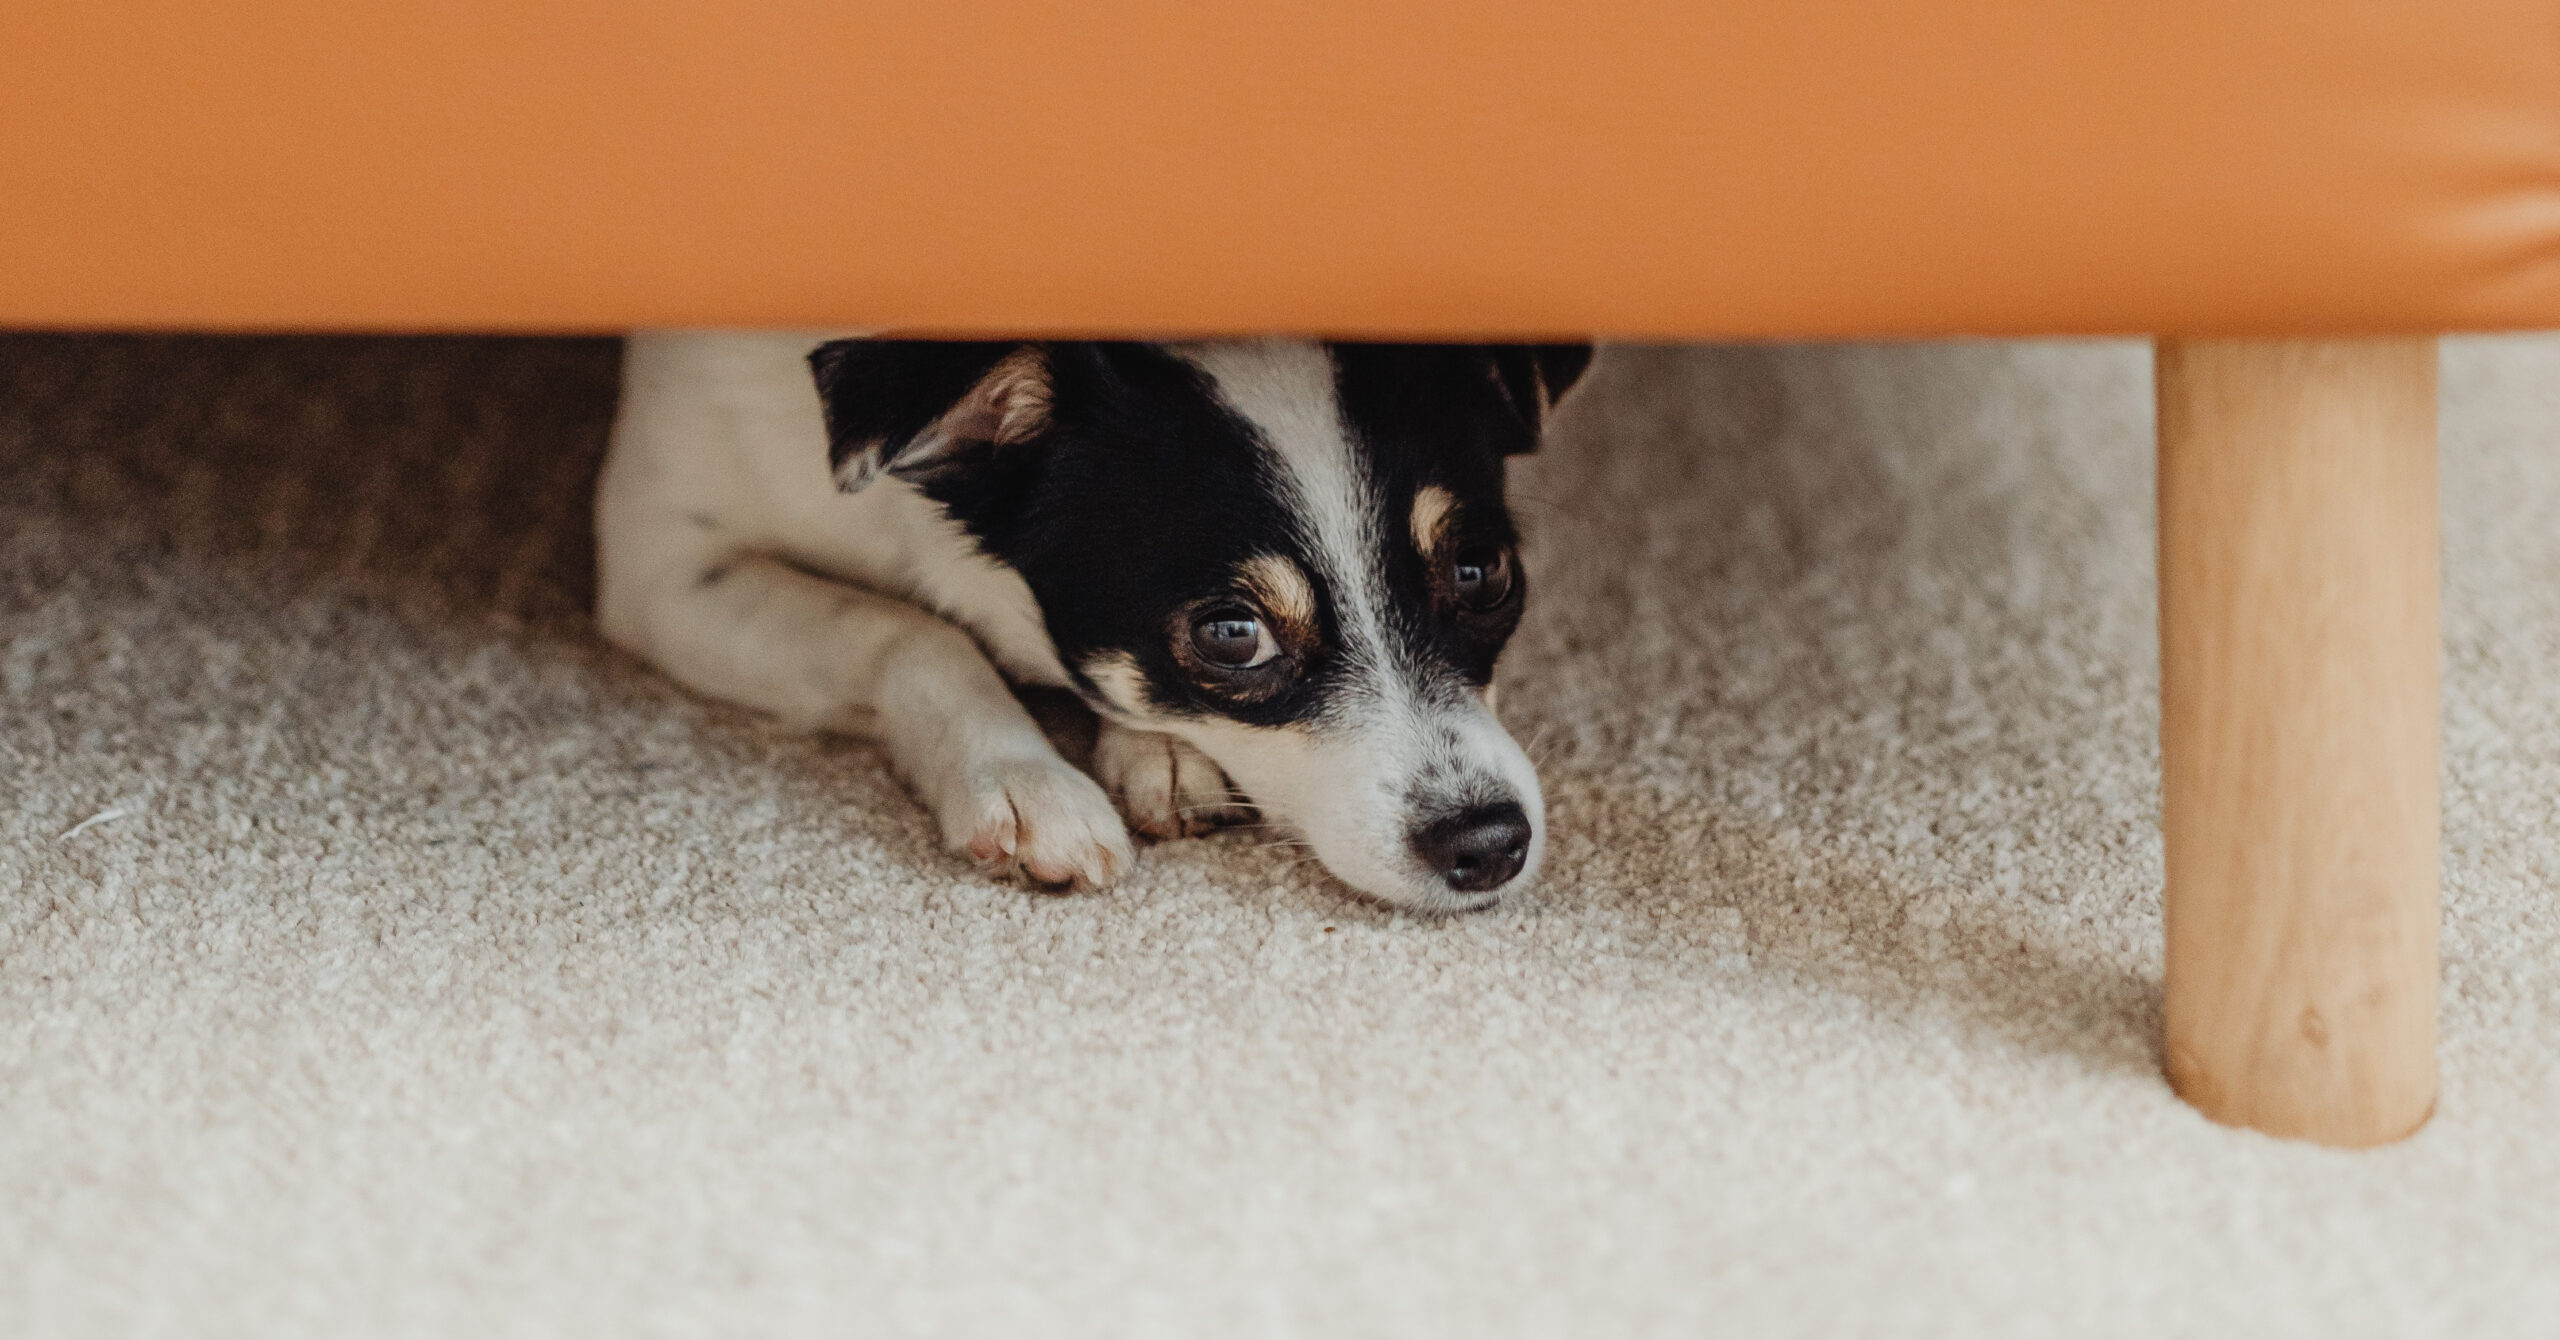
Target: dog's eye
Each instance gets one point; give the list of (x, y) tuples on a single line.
[(1232, 639), (1481, 578)]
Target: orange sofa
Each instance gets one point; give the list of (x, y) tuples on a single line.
[(2294, 197)]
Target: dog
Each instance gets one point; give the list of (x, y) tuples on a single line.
[(1278, 571)]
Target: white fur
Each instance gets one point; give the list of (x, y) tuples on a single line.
[(728, 555), (1343, 782), (824, 609)]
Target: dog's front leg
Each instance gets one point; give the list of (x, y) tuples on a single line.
[(819, 652), (1167, 788)]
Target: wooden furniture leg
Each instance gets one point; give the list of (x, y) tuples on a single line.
[(2299, 652)]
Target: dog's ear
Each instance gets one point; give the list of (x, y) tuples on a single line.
[(1535, 377), (909, 407)]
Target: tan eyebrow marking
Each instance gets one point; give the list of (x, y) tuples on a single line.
[(1432, 507), (1285, 592)]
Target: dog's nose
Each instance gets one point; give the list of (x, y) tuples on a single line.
[(1476, 849)]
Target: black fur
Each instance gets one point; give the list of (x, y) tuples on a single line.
[(1142, 492), (882, 393)]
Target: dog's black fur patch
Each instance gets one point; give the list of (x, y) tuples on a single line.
[(1141, 492)]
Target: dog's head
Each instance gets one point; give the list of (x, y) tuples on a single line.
[(1294, 556)]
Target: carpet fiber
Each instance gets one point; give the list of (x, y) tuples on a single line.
[(381, 954)]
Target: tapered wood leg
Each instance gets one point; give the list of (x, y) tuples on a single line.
[(2299, 652)]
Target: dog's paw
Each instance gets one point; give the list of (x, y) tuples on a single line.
[(1167, 788), (1037, 819)]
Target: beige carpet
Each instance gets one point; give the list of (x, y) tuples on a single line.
[(381, 955)]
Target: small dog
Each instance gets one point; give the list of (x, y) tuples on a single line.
[(1278, 571)]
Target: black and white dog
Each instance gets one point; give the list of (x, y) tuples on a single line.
[(1278, 571)]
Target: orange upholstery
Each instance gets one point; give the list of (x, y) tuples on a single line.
[(1633, 167)]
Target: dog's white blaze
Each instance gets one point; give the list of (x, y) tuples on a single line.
[(1285, 389), (1344, 781)]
